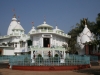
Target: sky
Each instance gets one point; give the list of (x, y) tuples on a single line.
[(63, 13)]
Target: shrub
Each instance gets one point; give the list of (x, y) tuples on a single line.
[(39, 55), (56, 55)]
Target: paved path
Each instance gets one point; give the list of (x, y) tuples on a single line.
[(94, 70)]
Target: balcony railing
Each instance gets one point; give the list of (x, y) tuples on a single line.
[(51, 31), (5, 36), (42, 48)]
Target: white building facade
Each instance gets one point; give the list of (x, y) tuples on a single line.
[(15, 42), (44, 36)]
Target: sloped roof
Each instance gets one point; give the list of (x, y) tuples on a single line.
[(33, 29), (18, 27), (12, 25)]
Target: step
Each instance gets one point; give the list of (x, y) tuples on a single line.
[(94, 63)]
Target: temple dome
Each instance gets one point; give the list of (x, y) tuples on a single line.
[(86, 35), (33, 29), (45, 25), (18, 27), (12, 25)]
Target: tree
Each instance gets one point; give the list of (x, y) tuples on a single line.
[(97, 25)]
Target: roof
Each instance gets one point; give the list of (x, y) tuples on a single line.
[(18, 27), (86, 31), (44, 25), (12, 25), (85, 36), (33, 29), (15, 40), (59, 30)]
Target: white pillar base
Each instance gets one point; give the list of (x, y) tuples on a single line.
[(33, 61)]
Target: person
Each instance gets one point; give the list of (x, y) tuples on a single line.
[(48, 45)]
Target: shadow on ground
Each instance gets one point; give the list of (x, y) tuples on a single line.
[(0, 73), (3, 65), (94, 71)]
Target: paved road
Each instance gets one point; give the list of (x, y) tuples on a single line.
[(94, 70)]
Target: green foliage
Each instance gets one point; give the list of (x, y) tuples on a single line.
[(56, 55), (39, 55), (39, 58)]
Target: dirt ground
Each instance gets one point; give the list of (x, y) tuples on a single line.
[(94, 70)]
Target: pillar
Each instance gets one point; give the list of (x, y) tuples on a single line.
[(42, 42), (33, 61), (31, 54), (42, 53), (26, 47), (53, 52), (50, 41), (97, 46), (64, 54)]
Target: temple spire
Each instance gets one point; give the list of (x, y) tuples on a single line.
[(18, 20), (85, 20), (56, 25), (44, 20), (14, 16), (33, 25)]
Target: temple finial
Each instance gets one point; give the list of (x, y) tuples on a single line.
[(56, 25), (18, 19), (44, 19), (14, 16), (85, 20), (33, 24)]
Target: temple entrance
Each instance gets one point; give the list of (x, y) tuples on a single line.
[(46, 42), (29, 43), (0, 51)]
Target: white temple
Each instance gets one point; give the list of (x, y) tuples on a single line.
[(39, 40), (82, 38)]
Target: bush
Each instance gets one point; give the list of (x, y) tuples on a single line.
[(39, 55), (56, 55), (39, 58)]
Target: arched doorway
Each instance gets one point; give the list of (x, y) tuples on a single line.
[(29, 43), (46, 42)]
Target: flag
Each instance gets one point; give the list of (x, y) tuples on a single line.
[(32, 22)]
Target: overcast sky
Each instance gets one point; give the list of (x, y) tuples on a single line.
[(66, 13)]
